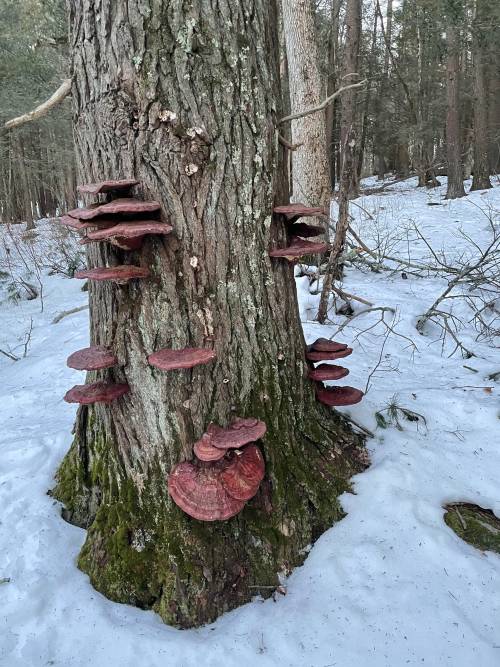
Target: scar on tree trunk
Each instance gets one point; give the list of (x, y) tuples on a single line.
[(162, 109)]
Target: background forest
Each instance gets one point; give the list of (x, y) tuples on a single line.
[(430, 103)]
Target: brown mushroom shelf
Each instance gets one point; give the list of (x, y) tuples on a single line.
[(123, 206), (327, 345), (129, 235), (205, 451), (200, 493), (327, 372), (98, 392), (92, 358), (293, 212), (317, 355), (107, 186), (240, 432), (337, 396), (118, 274), (298, 248), (245, 471), (168, 360)]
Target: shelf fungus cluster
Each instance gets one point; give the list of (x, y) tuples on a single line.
[(227, 472), (299, 232), (324, 349)]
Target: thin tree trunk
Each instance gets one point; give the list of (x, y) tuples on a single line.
[(214, 164), (332, 140), (455, 187), (310, 178), (334, 270), (351, 65), (481, 173)]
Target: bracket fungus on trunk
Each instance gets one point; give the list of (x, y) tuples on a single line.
[(122, 206), (205, 451), (244, 472), (92, 358), (169, 360), (327, 372), (298, 248), (198, 490), (336, 396), (129, 235), (122, 185), (317, 355), (240, 432), (293, 212), (327, 345), (119, 274), (97, 392)]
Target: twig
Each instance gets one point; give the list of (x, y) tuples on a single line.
[(323, 104), (347, 295), (65, 313), (287, 144), (62, 92), (8, 354)]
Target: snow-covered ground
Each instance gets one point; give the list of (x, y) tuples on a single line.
[(390, 585)]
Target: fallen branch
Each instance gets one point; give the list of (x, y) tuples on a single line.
[(55, 99), (323, 104), (9, 355), (347, 295), (65, 313)]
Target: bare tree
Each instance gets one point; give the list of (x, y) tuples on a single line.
[(453, 147)]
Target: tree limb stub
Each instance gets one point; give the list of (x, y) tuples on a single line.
[(55, 99), (323, 104)]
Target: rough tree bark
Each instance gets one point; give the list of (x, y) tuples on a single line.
[(351, 65), (161, 92), (481, 173), (310, 174), (331, 117), (455, 187)]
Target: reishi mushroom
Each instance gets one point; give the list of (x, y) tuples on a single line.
[(293, 212), (123, 206), (97, 392), (327, 345), (92, 358), (327, 372), (205, 451), (168, 360), (298, 248), (129, 235), (317, 355), (200, 493), (119, 274), (243, 474), (240, 432), (336, 396), (107, 186)]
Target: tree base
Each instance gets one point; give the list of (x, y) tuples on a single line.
[(143, 550)]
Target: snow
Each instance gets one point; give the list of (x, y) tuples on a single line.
[(389, 585)]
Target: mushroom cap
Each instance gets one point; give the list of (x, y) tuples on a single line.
[(298, 248), (240, 432), (315, 355), (125, 205), (242, 476), (119, 274), (327, 345), (306, 231), (338, 395), (107, 186), (101, 222), (294, 211), (327, 372), (92, 359), (199, 492), (68, 221), (168, 360), (130, 230), (97, 392), (205, 451)]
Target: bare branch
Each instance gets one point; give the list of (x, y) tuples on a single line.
[(42, 109), (323, 104)]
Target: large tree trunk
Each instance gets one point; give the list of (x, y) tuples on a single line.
[(481, 174), (160, 93), (310, 175), (455, 187)]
